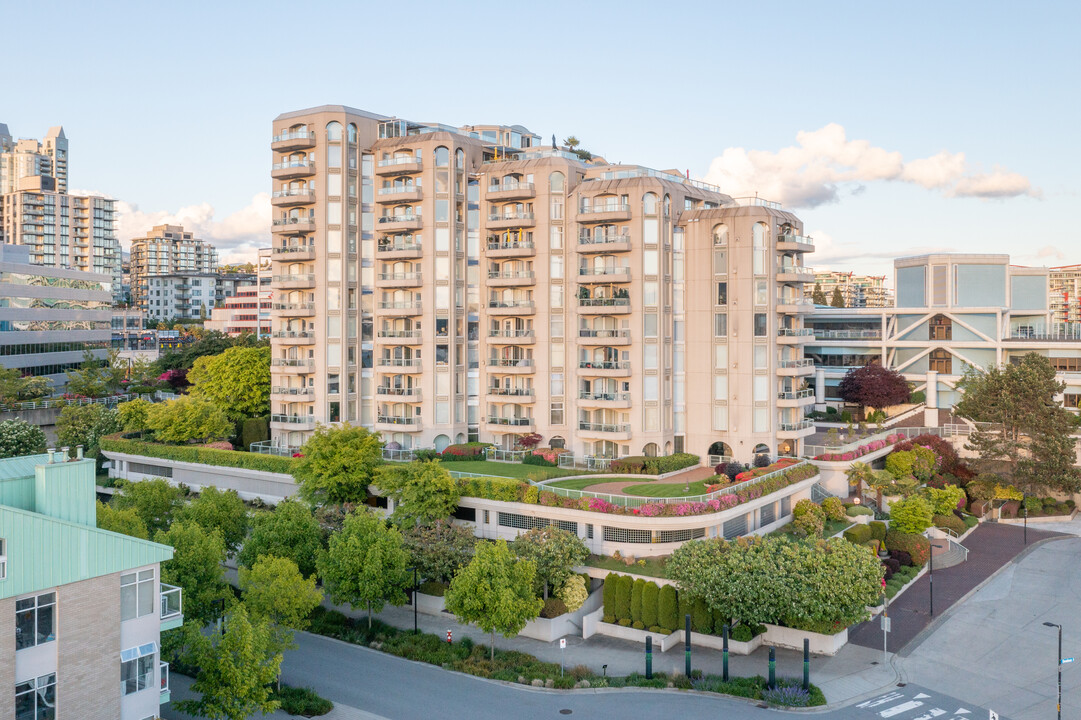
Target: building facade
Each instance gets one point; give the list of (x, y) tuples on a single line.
[(167, 250), (442, 284), (50, 316), (30, 158), (180, 296), (856, 290), (1064, 283), (81, 609)]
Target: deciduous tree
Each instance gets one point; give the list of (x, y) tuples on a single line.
[(874, 386), (289, 531), (237, 381), (275, 590), (338, 464), (155, 501), (18, 437), (125, 522), (222, 510), (86, 425), (422, 491), (16, 387), (554, 553), (438, 549), (495, 591), (186, 418), (133, 415), (196, 567)]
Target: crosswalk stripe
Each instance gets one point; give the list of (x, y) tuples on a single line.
[(898, 709)]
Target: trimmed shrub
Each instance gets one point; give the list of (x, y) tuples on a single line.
[(858, 534), (947, 499), (732, 470), (433, 587), (650, 594), (685, 606), (464, 451), (553, 607), (917, 546), (911, 515), (638, 625), (202, 456), (857, 510), (761, 460), (878, 529), (623, 598), (643, 465), (254, 430), (608, 595), (902, 557), (531, 459), (834, 508), (808, 518), (950, 522), (493, 488), (301, 701), (742, 633), (701, 617), (573, 592), (668, 607), (636, 599)]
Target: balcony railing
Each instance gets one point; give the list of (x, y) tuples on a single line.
[(604, 333), (309, 277), (293, 306), (793, 427), (796, 239), (510, 362), (163, 672), (392, 190), (397, 420), (172, 604), (799, 301), (604, 270), (604, 427), (805, 362), (603, 208), (510, 303), (292, 362), (795, 394), (605, 365), (513, 421), (509, 274), (510, 333), (399, 276), (603, 238), (604, 302), (293, 419), (401, 305), (800, 269), (397, 218), (295, 334), (397, 362), (608, 397), (281, 390), (795, 332), (293, 249), (293, 135), (847, 334), (293, 164), (293, 221), (268, 447), (407, 160), (512, 245), (521, 215), (402, 334), (510, 392), (397, 391), (527, 186), (397, 246), (293, 192)]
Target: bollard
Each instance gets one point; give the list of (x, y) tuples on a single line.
[(724, 654), (687, 641), (649, 657), (807, 664), (772, 668)]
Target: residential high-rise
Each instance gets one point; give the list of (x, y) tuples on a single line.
[(167, 250), (30, 158), (247, 308), (443, 284), (1064, 286), (856, 290)]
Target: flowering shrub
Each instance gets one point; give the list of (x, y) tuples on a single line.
[(548, 454), (759, 472), (466, 451), (862, 450)]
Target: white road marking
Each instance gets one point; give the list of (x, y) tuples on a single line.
[(881, 700), (898, 709)]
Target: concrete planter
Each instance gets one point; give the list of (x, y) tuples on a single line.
[(1039, 519), (860, 519), (430, 604), (716, 642), (664, 642), (782, 637)]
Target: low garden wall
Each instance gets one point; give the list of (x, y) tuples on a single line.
[(663, 643), (549, 629), (269, 487), (782, 637), (430, 604)]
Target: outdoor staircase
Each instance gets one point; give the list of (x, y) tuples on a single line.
[(819, 493), (955, 554)]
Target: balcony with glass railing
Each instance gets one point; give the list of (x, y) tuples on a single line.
[(391, 249), (292, 196), (512, 392), (293, 225), (285, 391), (293, 281), (614, 430), (398, 279), (510, 278), (510, 336), (398, 165), (171, 612), (397, 223), (510, 248), (511, 191), (407, 423), (293, 140), (504, 220), (511, 307), (292, 362), (516, 422), (607, 306), (296, 422), (292, 168), (397, 362), (794, 242), (393, 391), (401, 307), (604, 212), (399, 334)]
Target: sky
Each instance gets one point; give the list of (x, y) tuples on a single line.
[(890, 129)]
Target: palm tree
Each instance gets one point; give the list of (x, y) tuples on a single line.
[(858, 474), (880, 480), (572, 142)]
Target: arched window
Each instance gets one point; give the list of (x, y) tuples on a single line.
[(352, 133), (720, 234), (459, 159), (667, 205), (649, 204), (441, 442), (442, 157), (556, 182), (759, 235), (334, 131)]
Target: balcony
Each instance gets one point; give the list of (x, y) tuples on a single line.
[(512, 249), (411, 394), (608, 212), (404, 308), (397, 423), (301, 366), (293, 226), (393, 195), (795, 398), (511, 366), (172, 607), (304, 309), (604, 306), (592, 275), (794, 336), (511, 307), (398, 280), (393, 362), (797, 243), (847, 334), (511, 191), (398, 223), (294, 337), (616, 400), (795, 273), (614, 337), (605, 368), (604, 243), (509, 395), (300, 394), (164, 695), (292, 169), (796, 368), (511, 278), (295, 140), (506, 221), (399, 250), (794, 305), (400, 337), (293, 282), (511, 337), (292, 422), (293, 253), (793, 431), (292, 196), (515, 424), (605, 431), (398, 166)]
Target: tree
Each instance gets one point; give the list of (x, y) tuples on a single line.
[(18, 437), (222, 510), (133, 415), (235, 669), (911, 515), (874, 386), (554, 553), (438, 549), (1025, 426), (86, 425), (365, 564), (96, 377), (818, 297), (529, 440), (338, 464), (198, 555), (275, 590), (237, 381), (859, 474), (16, 387), (289, 531), (837, 300), (185, 419), (155, 501), (125, 522), (495, 591), (422, 491)]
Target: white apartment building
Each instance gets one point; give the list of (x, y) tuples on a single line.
[(30, 158), (167, 250), (180, 296)]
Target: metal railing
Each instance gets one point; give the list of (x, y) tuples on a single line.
[(293, 306), (496, 304), (393, 247), (294, 135), (293, 419), (604, 333), (292, 362), (805, 362), (796, 426), (497, 455), (292, 249), (398, 391), (527, 186), (795, 332), (602, 238), (407, 160), (847, 334), (399, 333), (400, 305), (795, 394), (304, 277), (510, 333), (946, 431), (397, 362), (60, 402), (395, 190), (604, 208), (294, 221), (398, 218), (495, 217), (163, 672), (399, 276), (796, 239), (608, 397), (172, 603), (294, 164), (604, 302), (622, 270), (397, 420), (513, 421), (604, 427), (604, 365), (715, 460), (512, 245), (400, 455), (296, 334), (510, 362), (586, 462), (509, 274), (510, 392), (281, 390), (293, 192)]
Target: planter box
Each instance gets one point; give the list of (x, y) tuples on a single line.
[(430, 604), (572, 623), (665, 643), (1039, 518), (782, 637), (716, 642)]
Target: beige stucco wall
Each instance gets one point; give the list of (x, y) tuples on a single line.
[(88, 676)]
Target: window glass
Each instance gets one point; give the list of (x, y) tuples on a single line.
[(722, 293), (720, 234), (761, 296), (650, 262), (650, 387), (761, 355), (35, 620), (36, 699), (442, 157), (650, 325), (650, 357), (720, 325), (761, 388), (720, 262), (556, 182), (760, 325), (649, 293)]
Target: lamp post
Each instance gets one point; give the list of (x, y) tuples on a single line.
[(931, 575), (1024, 498), (1055, 625), (414, 569)]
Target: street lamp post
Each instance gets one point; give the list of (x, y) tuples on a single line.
[(1024, 497), (414, 569), (1054, 625), (931, 575)]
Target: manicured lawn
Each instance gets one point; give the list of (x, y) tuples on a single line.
[(666, 490), (583, 483), (511, 470), (831, 528), (653, 567)]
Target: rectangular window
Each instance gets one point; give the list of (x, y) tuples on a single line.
[(36, 699), (722, 293), (136, 594), (556, 413), (720, 325), (760, 325), (35, 620), (3, 559), (137, 668)]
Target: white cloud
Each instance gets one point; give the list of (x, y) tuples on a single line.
[(237, 236), (824, 161)]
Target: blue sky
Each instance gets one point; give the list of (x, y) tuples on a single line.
[(168, 107)]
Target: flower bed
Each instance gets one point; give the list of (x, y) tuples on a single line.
[(862, 450), (781, 464)]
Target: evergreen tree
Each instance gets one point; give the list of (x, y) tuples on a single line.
[(818, 297), (837, 300)]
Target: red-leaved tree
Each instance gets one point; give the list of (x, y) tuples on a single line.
[(874, 386)]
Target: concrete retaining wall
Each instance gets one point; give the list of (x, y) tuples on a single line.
[(269, 487), (783, 637)]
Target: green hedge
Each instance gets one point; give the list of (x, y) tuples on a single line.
[(203, 456), (650, 596), (636, 599), (878, 529), (643, 465), (667, 607), (859, 534), (493, 488)]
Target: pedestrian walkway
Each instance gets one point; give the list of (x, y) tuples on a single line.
[(181, 690), (991, 546)]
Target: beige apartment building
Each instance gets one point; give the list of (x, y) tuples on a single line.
[(857, 290), (30, 158), (167, 250), (443, 284), (1064, 288)]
